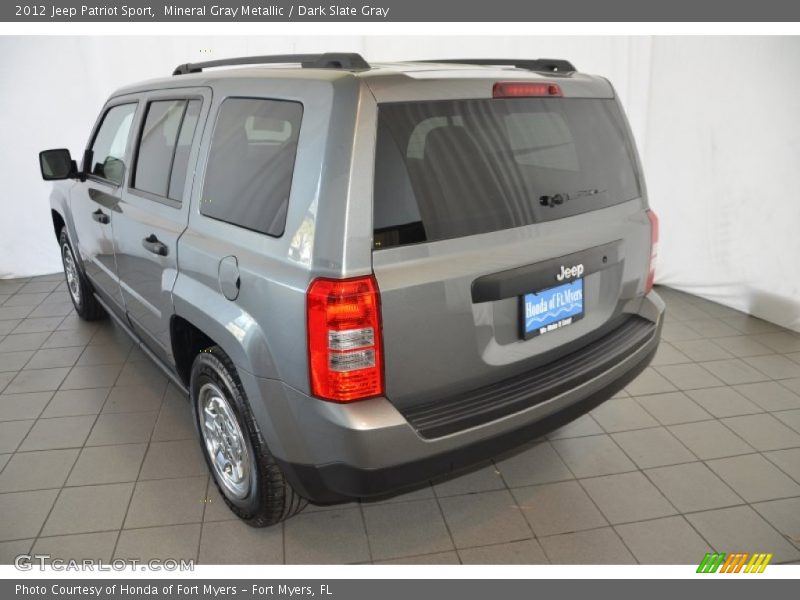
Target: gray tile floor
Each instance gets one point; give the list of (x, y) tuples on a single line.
[(98, 459)]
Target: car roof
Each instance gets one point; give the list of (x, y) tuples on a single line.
[(378, 75)]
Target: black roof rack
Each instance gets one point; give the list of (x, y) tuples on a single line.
[(329, 60), (547, 65)]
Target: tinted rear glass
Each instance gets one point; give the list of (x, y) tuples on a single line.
[(449, 169), (251, 162)]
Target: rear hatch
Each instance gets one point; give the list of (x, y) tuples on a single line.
[(507, 232)]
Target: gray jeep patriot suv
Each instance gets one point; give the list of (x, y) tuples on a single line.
[(365, 276)]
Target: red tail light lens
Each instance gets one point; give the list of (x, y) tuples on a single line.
[(524, 89), (651, 275), (344, 339)]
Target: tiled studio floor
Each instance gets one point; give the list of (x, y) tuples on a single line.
[(99, 459)]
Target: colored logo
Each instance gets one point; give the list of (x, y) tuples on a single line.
[(737, 562)]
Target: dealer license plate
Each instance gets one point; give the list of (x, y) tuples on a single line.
[(551, 309)]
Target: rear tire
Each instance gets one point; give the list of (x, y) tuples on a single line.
[(244, 471), (79, 288)]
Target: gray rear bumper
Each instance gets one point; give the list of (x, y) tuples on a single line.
[(332, 451)]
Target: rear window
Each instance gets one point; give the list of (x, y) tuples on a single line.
[(449, 169), (251, 162)]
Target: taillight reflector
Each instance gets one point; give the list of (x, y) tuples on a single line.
[(524, 89), (344, 339), (651, 274)]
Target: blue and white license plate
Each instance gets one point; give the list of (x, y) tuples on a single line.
[(552, 308)]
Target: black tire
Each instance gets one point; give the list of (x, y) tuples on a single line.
[(270, 498), (82, 294)]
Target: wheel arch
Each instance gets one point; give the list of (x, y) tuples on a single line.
[(204, 315), (62, 218), (202, 318), (58, 222)]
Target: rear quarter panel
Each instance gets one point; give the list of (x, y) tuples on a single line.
[(263, 329)]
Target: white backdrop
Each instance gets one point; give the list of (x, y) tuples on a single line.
[(715, 119)]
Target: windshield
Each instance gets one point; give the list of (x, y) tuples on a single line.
[(449, 169)]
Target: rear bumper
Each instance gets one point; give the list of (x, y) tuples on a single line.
[(330, 452)]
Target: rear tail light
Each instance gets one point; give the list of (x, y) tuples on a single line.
[(524, 89), (651, 274), (344, 339)]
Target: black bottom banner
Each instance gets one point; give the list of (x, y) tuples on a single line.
[(393, 589)]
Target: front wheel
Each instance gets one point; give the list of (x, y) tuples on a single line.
[(245, 472), (80, 290)]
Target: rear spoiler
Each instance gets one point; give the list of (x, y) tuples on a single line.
[(544, 65)]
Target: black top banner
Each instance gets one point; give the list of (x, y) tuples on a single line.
[(402, 11)]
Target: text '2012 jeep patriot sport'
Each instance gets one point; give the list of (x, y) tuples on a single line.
[(365, 276)]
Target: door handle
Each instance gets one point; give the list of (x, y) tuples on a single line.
[(101, 217), (151, 244)]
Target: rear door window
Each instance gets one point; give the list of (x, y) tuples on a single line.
[(449, 169), (251, 163), (164, 146)]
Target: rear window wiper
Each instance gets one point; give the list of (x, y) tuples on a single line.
[(560, 198)]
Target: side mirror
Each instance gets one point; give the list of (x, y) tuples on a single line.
[(57, 164), (113, 169)]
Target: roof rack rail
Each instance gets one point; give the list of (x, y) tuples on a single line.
[(548, 65), (329, 60)]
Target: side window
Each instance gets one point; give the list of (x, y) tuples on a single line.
[(251, 162), (108, 148), (180, 163), (164, 146)]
